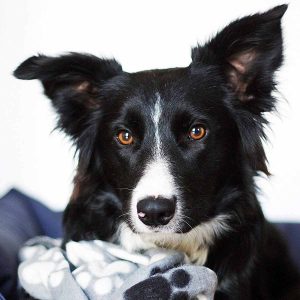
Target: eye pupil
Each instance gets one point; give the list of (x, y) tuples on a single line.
[(197, 132), (126, 136)]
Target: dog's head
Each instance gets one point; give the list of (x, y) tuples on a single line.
[(167, 143)]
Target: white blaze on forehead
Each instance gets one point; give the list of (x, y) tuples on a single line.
[(157, 180), (156, 114)]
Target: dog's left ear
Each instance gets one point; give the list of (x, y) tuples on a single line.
[(249, 51)]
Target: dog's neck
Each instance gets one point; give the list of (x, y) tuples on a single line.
[(195, 243)]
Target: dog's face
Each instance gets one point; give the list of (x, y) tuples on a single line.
[(167, 143), (163, 139)]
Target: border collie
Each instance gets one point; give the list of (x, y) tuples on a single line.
[(168, 157)]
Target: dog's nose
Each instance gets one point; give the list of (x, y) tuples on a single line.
[(156, 211)]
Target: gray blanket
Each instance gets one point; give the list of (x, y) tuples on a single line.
[(101, 270)]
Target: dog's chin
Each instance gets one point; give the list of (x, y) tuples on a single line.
[(192, 242)]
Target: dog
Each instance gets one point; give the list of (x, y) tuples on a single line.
[(167, 158)]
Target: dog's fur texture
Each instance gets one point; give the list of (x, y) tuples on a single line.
[(227, 89)]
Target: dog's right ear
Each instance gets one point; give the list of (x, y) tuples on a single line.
[(73, 83)]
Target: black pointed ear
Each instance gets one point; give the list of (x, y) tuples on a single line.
[(249, 51), (73, 83)]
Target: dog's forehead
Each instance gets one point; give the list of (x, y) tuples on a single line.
[(166, 82), (172, 90)]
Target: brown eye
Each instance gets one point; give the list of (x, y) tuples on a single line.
[(125, 138), (197, 132)]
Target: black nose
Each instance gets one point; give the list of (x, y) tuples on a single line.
[(156, 211)]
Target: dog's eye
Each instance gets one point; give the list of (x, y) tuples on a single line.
[(197, 132), (124, 137)]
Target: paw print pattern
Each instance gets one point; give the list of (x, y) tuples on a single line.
[(103, 271), (181, 283)]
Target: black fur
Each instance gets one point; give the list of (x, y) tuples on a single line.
[(227, 88)]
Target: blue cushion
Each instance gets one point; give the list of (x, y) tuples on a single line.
[(21, 218), (291, 233), (49, 221)]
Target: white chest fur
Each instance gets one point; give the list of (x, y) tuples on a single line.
[(195, 243)]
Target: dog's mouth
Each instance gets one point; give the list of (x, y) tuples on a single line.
[(165, 219), (176, 225)]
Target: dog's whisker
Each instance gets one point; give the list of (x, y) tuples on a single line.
[(186, 223), (124, 214), (124, 188)]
